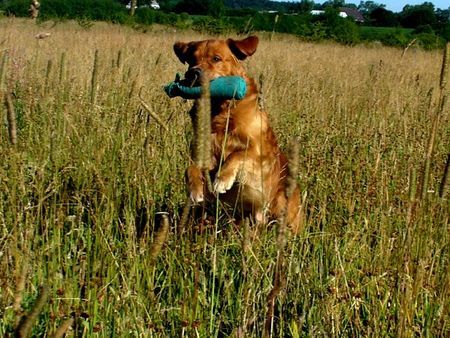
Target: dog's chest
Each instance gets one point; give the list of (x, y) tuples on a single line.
[(225, 136)]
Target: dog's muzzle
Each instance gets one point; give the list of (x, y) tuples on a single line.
[(193, 76)]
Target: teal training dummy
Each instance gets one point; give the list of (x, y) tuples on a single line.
[(225, 87)]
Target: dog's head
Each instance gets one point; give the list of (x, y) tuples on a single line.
[(215, 58)]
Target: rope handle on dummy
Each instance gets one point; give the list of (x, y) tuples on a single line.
[(224, 87)]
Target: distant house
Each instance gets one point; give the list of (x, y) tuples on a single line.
[(270, 12), (344, 12), (352, 13), (155, 5), (317, 12)]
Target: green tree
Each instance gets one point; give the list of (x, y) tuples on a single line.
[(305, 6), (216, 8), (334, 3), (419, 15), (366, 7), (201, 7), (255, 4), (339, 29), (382, 17), (167, 5), (17, 8), (442, 26), (197, 7), (107, 10), (345, 31)]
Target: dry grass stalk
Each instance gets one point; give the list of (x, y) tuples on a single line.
[(278, 284), (196, 285), (184, 216), (444, 178), (132, 89), (442, 104), (274, 25), (133, 4), (205, 130), (412, 42), (261, 98), (246, 235), (293, 160), (406, 313), (412, 196), (3, 68), (201, 151), (245, 245), (20, 286), (94, 78), (291, 184), (443, 84), (34, 9), (41, 36), (153, 114), (445, 67), (435, 122), (26, 322), (160, 237), (47, 75), (202, 128), (158, 59), (119, 59), (61, 331), (62, 67), (11, 117), (279, 279), (429, 100)]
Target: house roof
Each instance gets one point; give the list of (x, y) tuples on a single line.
[(353, 12)]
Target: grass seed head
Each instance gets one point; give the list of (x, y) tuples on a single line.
[(202, 128), (160, 237), (11, 117), (445, 67)]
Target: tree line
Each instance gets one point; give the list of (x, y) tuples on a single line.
[(426, 25)]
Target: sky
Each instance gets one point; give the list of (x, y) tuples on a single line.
[(397, 5)]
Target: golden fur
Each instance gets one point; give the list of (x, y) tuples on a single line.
[(252, 173)]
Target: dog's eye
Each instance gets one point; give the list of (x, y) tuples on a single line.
[(217, 58)]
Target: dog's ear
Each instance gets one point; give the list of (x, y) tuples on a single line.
[(243, 48), (180, 49)]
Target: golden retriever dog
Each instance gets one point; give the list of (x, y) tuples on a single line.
[(248, 169)]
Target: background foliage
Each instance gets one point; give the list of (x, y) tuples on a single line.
[(429, 27)]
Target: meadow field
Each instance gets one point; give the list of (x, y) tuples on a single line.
[(86, 251)]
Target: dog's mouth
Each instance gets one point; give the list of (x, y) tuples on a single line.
[(191, 80), (194, 77)]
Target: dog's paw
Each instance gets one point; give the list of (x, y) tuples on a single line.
[(222, 185), (197, 197)]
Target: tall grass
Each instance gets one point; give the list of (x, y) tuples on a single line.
[(81, 192)]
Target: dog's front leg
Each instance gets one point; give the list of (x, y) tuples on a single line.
[(195, 182), (227, 174)]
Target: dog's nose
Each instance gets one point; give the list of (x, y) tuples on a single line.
[(193, 74)]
